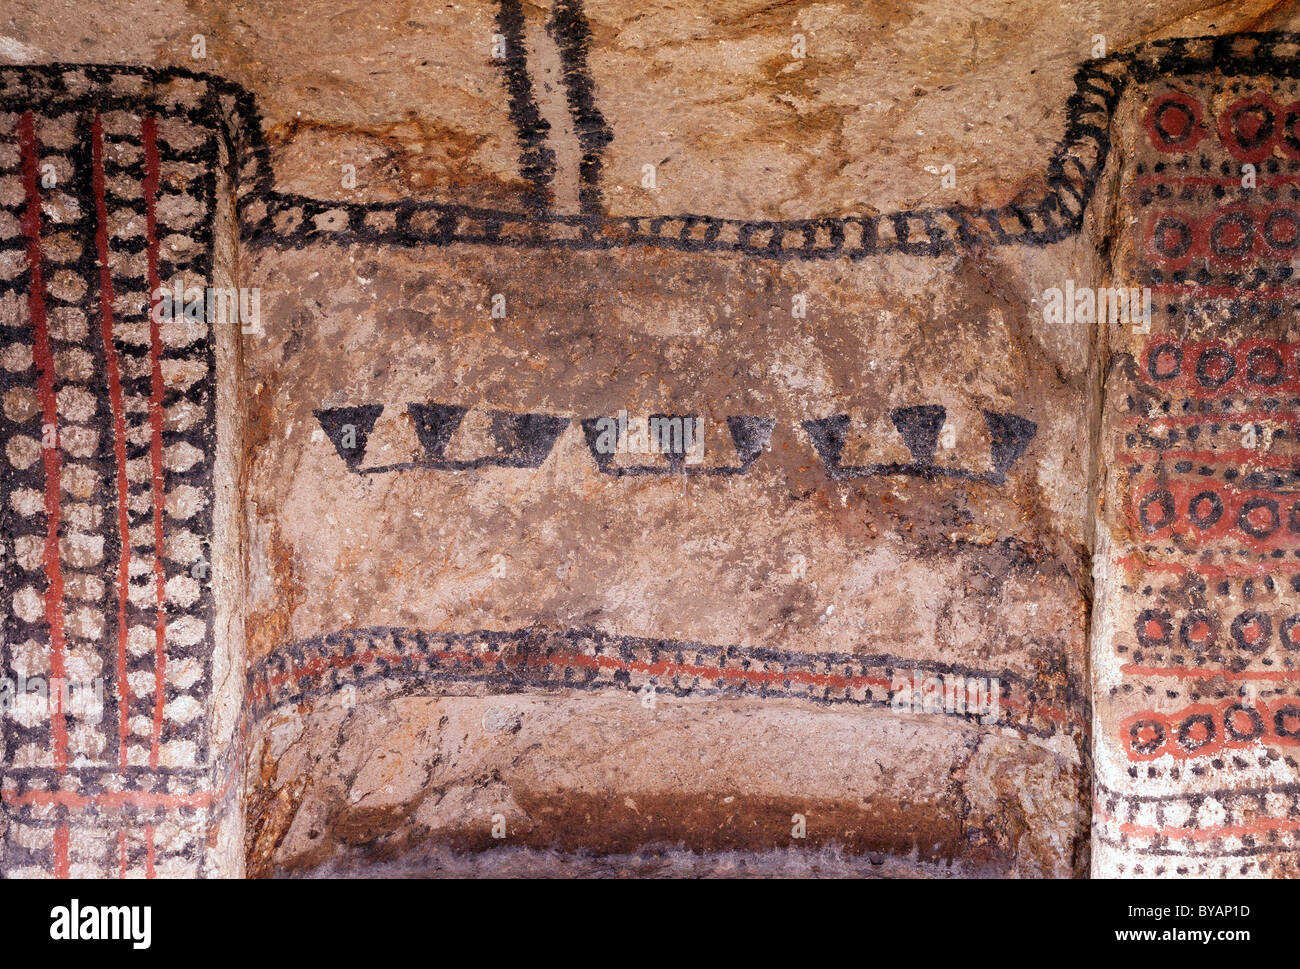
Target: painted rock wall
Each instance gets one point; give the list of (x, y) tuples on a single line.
[(1196, 631), (122, 645), (491, 624)]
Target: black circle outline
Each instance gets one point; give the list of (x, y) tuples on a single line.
[(1251, 504), (1184, 630), (1150, 746), (1216, 505), (1154, 615), (1231, 732), (1159, 350), (1284, 630), (1248, 235), (1189, 237), (1253, 103), (1279, 374), (1202, 361), (1267, 232), (1166, 500), (1212, 732), (1239, 626), (1280, 716)]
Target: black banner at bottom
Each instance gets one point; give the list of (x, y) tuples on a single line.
[(336, 919)]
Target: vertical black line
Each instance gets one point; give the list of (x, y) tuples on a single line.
[(536, 159), (206, 233), (569, 29)]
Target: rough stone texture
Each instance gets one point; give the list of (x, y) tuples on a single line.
[(476, 643)]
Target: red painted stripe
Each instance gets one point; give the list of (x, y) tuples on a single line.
[(61, 865), (1138, 564), (44, 360), (1188, 673), (262, 688), (149, 871), (1256, 827), (147, 800), (1224, 291), (1148, 180), (149, 135), (119, 430), (1241, 458), (1254, 417)]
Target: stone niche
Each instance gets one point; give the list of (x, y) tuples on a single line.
[(589, 438)]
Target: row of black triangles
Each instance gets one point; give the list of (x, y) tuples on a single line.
[(920, 427), (534, 434), (527, 438), (749, 434)]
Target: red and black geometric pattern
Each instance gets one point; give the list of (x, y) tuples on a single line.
[(107, 188), (1200, 668)]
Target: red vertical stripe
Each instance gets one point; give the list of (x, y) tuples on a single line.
[(149, 134), (44, 359), (149, 871), (61, 866), (119, 427)]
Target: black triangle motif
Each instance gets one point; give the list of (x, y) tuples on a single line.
[(434, 426), (336, 421), (672, 446), (828, 435), (750, 435), (1010, 436), (592, 430), (920, 427), (526, 440)]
